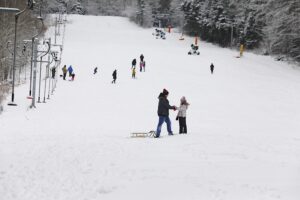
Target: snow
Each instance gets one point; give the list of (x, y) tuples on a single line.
[(243, 123)]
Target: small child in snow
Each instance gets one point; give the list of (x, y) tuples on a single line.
[(181, 116)]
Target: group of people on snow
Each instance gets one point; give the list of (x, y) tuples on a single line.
[(65, 70), (133, 69), (142, 66), (163, 114)]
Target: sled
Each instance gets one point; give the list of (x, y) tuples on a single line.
[(12, 104), (143, 134)]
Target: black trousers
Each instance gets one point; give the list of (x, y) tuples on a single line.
[(182, 125)]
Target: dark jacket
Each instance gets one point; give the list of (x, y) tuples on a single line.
[(114, 74), (134, 62), (142, 58), (163, 105)]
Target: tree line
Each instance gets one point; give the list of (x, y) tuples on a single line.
[(28, 26)]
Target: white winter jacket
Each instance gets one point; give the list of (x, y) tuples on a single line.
[(182, 110)]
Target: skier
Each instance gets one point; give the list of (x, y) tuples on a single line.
[(64, 69), (114, 75), (212, 67), (163, 113), (133, 72), (133, 63), (70, 70), (241, 50), (181, 115), (95, 70)]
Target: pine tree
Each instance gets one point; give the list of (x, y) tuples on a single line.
[(283, 30), (140, 12)]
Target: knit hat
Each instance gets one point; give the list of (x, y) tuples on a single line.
[(165, 92), (183, 99)]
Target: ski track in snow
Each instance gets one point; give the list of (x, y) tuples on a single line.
[(243, 123)]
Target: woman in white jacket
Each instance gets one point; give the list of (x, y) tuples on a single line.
[(181, 116)]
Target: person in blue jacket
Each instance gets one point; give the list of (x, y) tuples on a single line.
[(70, 70)]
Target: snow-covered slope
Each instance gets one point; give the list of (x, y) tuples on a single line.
[(243, 137)]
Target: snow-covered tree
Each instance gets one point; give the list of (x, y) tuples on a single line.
[(283, 28), (27, 27)]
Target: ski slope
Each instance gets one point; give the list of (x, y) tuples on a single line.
[(243, 137)]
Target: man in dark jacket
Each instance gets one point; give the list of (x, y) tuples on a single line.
[(163, 112), (114, 75), (212, 67)]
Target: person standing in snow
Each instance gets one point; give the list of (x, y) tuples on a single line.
[(64, 69), (163, 113), (142, 63), (181, 115), (133, 64), (70, 70), (212, 67), (114, 75)]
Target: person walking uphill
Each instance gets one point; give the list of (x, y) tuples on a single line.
[(212, 67), (114, 75), (163, 113), (181, 116)]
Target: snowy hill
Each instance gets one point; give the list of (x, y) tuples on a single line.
[(243, 137)]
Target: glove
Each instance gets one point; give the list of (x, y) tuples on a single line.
[(177, 118)]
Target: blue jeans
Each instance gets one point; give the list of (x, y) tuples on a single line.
[(163, 119)]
